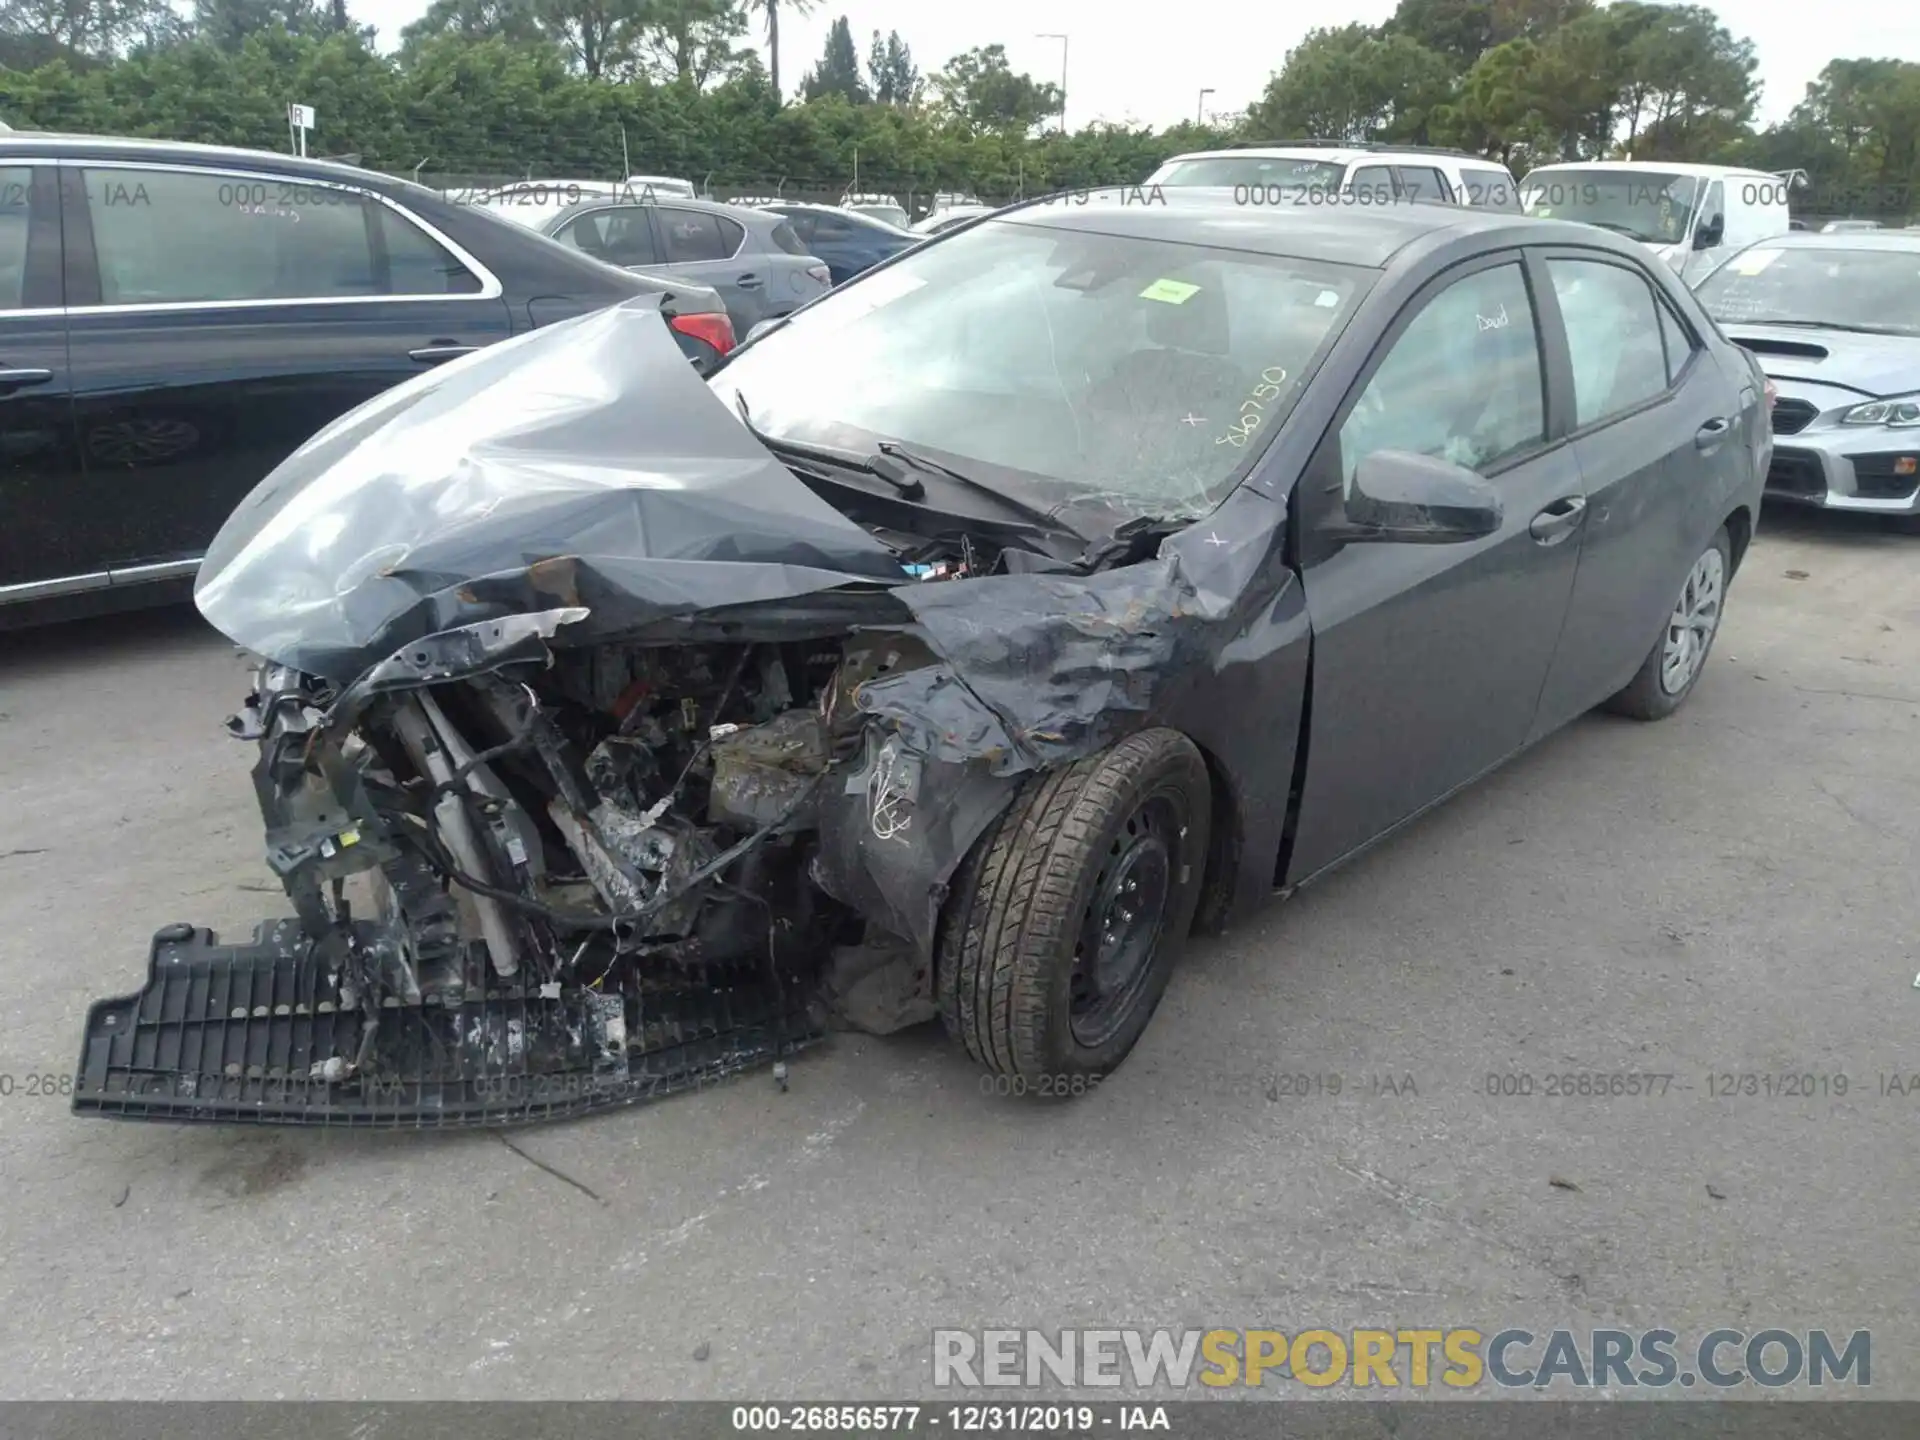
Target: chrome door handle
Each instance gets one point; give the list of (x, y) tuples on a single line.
[(434, 354), (15, 379), (1558, 520)]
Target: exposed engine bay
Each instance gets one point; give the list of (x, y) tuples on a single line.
[(564, 882)]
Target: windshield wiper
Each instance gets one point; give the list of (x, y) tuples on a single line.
[(1033, 514), (1824, 325), (909, 488)]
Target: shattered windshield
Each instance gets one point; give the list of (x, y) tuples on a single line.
[(1652, 206), (1874, 290), (1062, 367)]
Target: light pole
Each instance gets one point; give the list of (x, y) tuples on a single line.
[(1200, 110), (1063, 75)]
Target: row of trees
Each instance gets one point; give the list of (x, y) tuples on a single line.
[(585, 87), (1533, 81)]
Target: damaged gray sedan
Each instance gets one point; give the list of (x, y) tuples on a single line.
[(1063, 587)]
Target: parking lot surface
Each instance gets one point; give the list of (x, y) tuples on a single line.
[(1728, 893)]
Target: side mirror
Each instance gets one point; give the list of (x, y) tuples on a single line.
[(1408, 499), (1712, 231)]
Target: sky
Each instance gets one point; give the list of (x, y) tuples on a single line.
[(1146, 64)]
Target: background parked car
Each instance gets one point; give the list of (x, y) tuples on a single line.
[(198, 313), (753, 259), (847, 242), (885, 208), (664, 186), (943, 220), (1322, 171), (1835, 322)]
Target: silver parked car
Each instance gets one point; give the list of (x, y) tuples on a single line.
[(752, 257), (1835, 322)]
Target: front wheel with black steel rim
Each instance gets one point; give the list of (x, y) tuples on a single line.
[(1064, 922), (1679, 656)]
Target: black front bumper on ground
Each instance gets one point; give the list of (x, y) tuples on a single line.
[(237, 1033)]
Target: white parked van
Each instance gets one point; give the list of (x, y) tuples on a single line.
[(1691, 216)]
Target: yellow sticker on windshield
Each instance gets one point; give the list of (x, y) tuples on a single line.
[(1753, 262), (1170, 292)]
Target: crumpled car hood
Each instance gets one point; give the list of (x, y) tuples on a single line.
[(583, 464)]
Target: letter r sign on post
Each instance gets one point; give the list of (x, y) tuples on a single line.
[(299, 122)]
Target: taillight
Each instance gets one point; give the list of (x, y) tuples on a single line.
[(1773, 394), (820, 273), (716, 330)]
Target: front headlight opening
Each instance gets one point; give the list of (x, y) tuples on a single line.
[(1899, 414)]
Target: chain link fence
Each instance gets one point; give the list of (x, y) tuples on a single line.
[(917, 197)]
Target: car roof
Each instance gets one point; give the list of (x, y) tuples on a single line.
[(1332, 154), (1662, 167), (750, 216), (814, 207), (56, 143), (1368, 236)]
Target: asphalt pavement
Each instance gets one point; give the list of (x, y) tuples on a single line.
[(1726, 894)]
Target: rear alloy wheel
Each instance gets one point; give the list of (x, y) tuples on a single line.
[(1673, 668), (1063, 925)]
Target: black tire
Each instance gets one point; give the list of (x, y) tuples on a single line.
[(1646, 696), (1013, 968)]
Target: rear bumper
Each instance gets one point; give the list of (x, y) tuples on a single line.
[(258, 1032)]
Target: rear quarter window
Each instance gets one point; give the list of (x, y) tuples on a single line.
[(785, 239)]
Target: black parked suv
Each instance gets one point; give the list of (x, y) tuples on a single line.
[(177, 319)]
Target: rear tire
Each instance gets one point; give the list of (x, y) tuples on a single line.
[(1063, 924), (1679, 656)]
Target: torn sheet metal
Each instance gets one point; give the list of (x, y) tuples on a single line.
[(1038, 670), (582, 465)]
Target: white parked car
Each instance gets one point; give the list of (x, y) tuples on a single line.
[(878, 207), (663, 186), (941, 220), (1327, 172)]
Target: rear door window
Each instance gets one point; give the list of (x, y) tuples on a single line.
[(176, 236), (621, 236), (1613, 334), (693, 235)]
